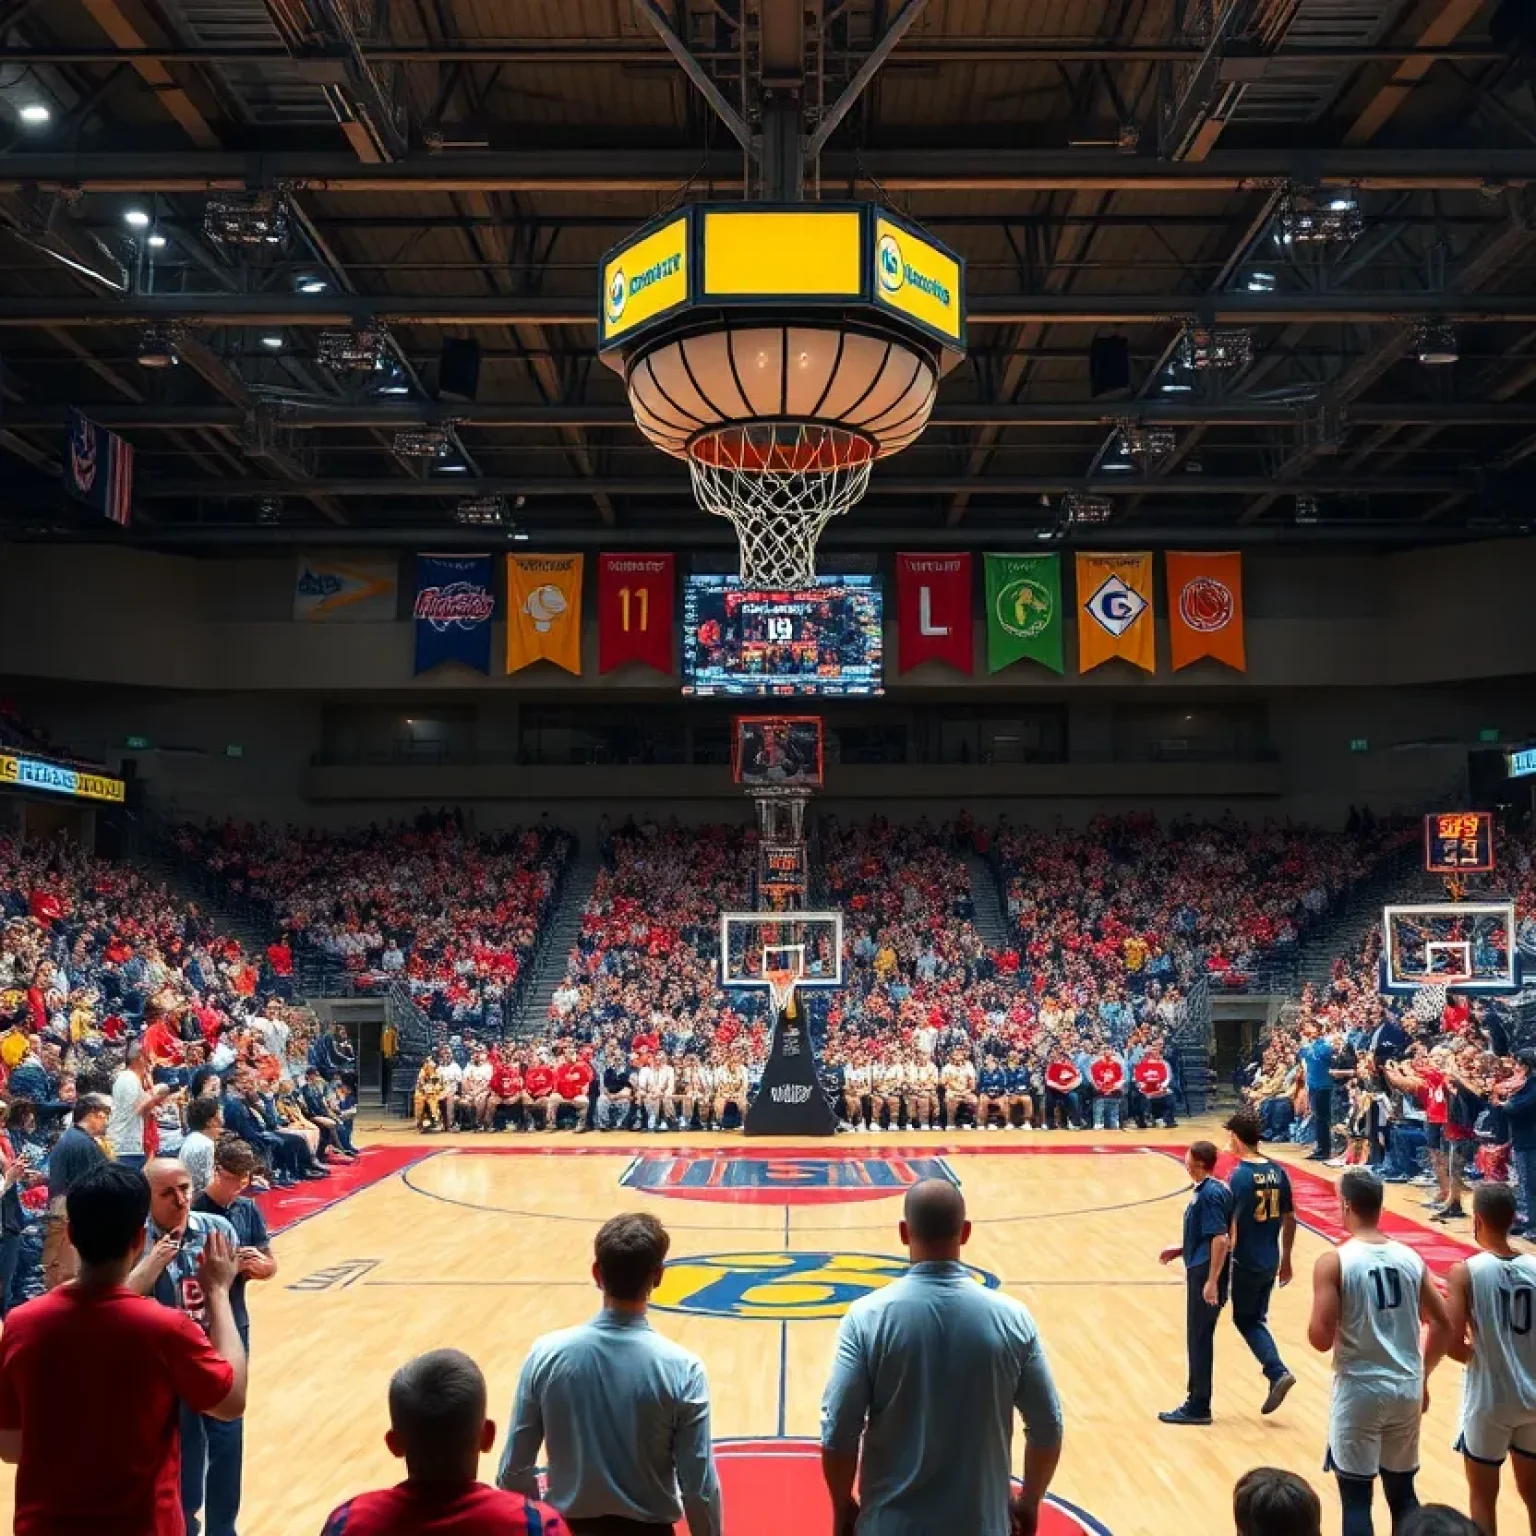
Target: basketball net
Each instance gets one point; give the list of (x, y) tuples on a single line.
[(779, 483), (781, 988)]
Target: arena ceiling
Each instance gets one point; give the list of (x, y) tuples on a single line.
[(456, 168)]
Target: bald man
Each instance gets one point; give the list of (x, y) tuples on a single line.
[(927, 1375)]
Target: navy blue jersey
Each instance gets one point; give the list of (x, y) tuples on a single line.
[(1261, 1197), (1020, 1079), (993, 1081), (1207, 1215)]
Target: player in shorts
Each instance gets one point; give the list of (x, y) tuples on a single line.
[(890, 1078), (959, 1079), (1368, 1298), (1492, 1296), (922, 1092)]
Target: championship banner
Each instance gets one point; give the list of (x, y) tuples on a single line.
[(933, 611), (345, 589), (1205, 609), (98, 469), (453, 611), (1024, 611), (544, 611), (634, 611), (1114, 611)]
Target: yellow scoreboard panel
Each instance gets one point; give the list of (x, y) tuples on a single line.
[(782, 254)]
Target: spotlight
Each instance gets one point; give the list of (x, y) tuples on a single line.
[(1116, 467), (422, 443), (1146, 443), (136, 218), (247, 218), (351, 351), (482, 512), (458, 467), (1083, 510), (35, 114), (1205, 346), (313, 285), (1435, 342), (1310, 217), (520, 535), (272, 343), (1261, 282), (157, 242), (157, 347)]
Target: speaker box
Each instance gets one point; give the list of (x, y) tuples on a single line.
[(458, 373), (1109, 366)]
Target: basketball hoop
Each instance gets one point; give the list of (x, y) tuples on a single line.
[(781, 989)]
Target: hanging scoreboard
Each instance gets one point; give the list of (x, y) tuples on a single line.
[(1458, 842)]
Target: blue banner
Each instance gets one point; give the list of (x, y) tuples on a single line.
[(98, 469), (453, 611)]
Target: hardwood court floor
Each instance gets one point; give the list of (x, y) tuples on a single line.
[(485, 1242)]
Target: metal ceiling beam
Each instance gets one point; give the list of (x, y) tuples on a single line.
[(625, 169), (344, 416), (448, 487), (696, 72), (866, 72), (938, 50), (112, 20), (1453, 17), (302, 310)]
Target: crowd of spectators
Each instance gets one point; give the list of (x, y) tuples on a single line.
[(20, 735), (451, 916)]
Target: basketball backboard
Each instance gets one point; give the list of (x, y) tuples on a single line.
[(1468, 946), (755, 947)]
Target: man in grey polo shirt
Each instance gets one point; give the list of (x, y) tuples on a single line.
[(928, 1373), (623, 1411)]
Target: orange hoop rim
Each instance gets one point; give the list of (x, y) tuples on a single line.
[(791, 448)]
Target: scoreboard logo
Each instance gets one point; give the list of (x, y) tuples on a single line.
[(775, 1180), (892, 267), (1115, 606), (618, 295), (780, 1287)]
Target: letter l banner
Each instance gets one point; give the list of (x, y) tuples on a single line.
[(933, 611)]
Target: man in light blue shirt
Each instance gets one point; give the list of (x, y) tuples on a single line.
[(623, 1411), (927, 1373)]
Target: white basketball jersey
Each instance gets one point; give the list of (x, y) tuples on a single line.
[(1502, 1375), (1378, 1338)]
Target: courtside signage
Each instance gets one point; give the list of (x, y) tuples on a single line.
[(919, 278), (645, 278), (32, 773)]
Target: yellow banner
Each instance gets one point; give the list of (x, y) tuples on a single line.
[(1114, 611), (918, 278), (644, 279), (785, 254), (544, 611), (34, 773)]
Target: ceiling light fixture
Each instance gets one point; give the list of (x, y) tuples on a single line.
[(313, 285), (481, 511), (272, 343), (351, 351), (157, 347), (1311, 217), (157, 242), (1083, 510), (136, 218), (247, 218), (35, 114), (1206, 346), (422, 443), (1435, 343)]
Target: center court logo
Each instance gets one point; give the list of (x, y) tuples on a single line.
[(1115, 606), (778, 1286), (1025, 608), (795, 1179)]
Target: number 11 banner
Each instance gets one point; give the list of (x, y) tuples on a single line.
[(634, 611)]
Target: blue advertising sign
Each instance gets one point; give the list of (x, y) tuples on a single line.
[(453, 611)]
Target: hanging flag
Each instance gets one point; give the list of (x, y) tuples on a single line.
[(344, 588), (1114, 611), (544, 611), (634, 611), (933, 611), (1024, 611), (98, 469), (1205, 609), (453, 610)]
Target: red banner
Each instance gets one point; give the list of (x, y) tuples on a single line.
[(933, 611), (634, 611)]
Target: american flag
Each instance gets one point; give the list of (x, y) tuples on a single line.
[(98, 469)]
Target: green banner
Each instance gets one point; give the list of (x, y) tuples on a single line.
[(1024, 611)]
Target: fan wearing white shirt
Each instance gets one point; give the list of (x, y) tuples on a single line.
[(657, 1082), (451, 1075)]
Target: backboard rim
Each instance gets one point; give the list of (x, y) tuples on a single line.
[(728, 919)]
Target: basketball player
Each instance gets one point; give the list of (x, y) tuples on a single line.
[(1263, 1233), (1368, 1298), (888, 1080), (657, 1083), (1020, 1090), (860, 1092), (922, 1091), (1491, 1299), (959, 1079), (688, 1090), (991, 1094)]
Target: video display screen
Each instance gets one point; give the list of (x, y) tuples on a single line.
[(741, 642)]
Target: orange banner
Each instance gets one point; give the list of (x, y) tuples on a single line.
[(1114, 611), (1205, 609)]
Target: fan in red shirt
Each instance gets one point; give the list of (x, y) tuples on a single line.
[(538, 1084), (49, 1412), (572, 1080), (507, 1085), (1154, 1082), (1062, 1080), (1107, 1073), (437, 1425)]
